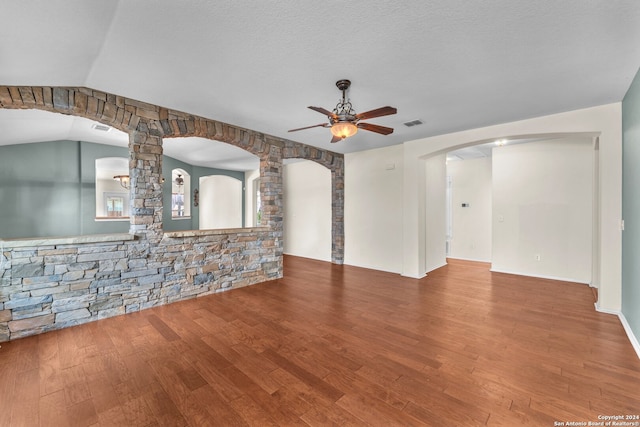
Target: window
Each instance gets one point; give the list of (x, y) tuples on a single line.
[(112, 192), (114, 205), (180, 191)]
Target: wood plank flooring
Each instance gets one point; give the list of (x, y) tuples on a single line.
[(335, 345)]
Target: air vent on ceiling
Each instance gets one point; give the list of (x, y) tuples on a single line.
[(413, 123), (102, 128)]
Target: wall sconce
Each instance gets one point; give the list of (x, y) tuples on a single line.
[(196, 197), (124, 180)]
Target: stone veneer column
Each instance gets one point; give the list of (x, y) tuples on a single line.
[(145, 171), (337, 214), (271, 189)]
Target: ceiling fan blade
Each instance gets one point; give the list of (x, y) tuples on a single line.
[(378, 112), (323, 111), (336, 139), (375, 128), (324, 125)]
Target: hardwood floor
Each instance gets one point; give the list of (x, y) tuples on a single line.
[(335, 345)]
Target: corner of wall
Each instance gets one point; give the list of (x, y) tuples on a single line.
[(630, 334), (625, 324)]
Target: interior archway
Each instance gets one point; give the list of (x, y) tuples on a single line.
[(200, 158), (307, 210), (112, 188), (49, 176), (220, 202), (525, 205)]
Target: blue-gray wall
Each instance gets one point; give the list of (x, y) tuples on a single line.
[(49, 189), (631, 206), (168, 224), (195, 173), (40, 189)]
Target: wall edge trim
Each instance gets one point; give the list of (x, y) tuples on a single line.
[(627, 328), (561, 279), (470, 259)]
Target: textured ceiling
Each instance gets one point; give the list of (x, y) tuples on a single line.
[(454, 64)]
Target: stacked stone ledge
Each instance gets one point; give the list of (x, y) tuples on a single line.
[(49, 287)]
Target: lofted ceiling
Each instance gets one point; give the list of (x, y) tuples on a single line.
[(453, 64)]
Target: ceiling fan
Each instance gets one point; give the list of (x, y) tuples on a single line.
[(343, 120)]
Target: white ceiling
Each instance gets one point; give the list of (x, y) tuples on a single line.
[(454, 64)]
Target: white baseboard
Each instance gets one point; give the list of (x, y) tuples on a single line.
[(630, 334), (411, 276), (423, 275), (517, 273), (627, 328), (437, 266), (469, 259), (605, 310)]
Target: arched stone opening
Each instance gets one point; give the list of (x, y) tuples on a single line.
[(148, 266)]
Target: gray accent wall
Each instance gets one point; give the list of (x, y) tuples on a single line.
[(47, 189), (40, 189), (631, 206), (195, 173), (169, 164)]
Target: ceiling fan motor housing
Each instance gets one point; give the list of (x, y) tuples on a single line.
[(343, 84)]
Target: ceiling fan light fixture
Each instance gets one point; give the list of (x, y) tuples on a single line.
[(343, 129), (345, 122)]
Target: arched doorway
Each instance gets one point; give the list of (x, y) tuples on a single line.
[(220, 202)]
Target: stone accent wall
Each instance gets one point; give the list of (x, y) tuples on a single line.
[(50, 284), (337, 214), (53, 283)]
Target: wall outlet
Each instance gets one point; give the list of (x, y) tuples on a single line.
[(537, 256)]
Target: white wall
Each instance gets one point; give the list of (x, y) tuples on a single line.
[(542, 205), (471, 226), (373, 209), (307, 210), (435, 213), (249, 208), (220, 202), (112, 187), (603, 122)]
